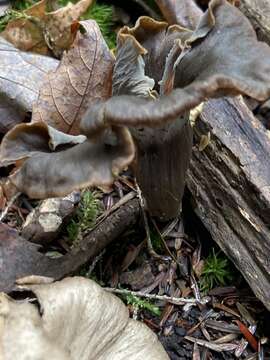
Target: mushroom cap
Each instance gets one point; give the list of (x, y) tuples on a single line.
[(76, 319)]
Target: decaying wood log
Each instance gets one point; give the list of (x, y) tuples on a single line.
[(258, 13), (20, 258), (230, 182)]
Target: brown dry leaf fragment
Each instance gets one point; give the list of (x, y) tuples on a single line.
[(21, 76), (139, 278), (41, 31), (80, 320), (181, 12), (83, 76), (59, 33), (27, 34), (131, 255), (18, 258), (44, 173)]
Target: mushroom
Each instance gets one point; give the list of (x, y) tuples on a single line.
[(221, 57), (73, 319), (161, 73)]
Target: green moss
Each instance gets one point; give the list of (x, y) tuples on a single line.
[(216, 272), (103, 15), (86, 215), (156, 241), (23, 4), (141, 304)]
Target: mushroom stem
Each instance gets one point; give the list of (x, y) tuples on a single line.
[(162, 160)]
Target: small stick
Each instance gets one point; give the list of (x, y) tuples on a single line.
[(212, 345), (146, 225), (174, 300), (115, 207), (94, 263), (9, 204)]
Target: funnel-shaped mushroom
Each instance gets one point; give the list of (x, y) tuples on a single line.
[(220, 57), (76, 319)]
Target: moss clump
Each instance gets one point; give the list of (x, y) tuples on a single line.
[(141, 304), (216, 272), (86, 215), (103, 15)]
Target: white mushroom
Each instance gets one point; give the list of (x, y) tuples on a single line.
[(77, 319)]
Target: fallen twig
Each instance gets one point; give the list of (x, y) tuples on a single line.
[(211, 345), (244, 343), (173, 300), (9, 204), (146, 226)]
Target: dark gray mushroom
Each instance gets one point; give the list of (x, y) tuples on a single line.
[(161, 73), (220, 57)]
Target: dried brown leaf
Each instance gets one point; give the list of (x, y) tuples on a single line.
[(40, 31), (21, 76), (59, 32), (83, 76), (18, 258), (27, 34), (138, 278), (131, 256)]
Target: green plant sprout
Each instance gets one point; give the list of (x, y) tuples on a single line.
[(216, 272), (141, 304), (86, 215), (103, 15)]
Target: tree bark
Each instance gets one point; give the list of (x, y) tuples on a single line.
[(258, 13), (230, 182)]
